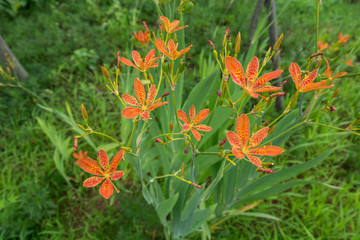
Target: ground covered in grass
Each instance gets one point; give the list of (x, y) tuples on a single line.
[(62, 44)]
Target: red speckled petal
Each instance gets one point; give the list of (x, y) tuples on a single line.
[(309, 78), (90, 166), (268, 89), (196, 134), (192, 112), (257, 137), (131, 112), (254, 160), (149, 56), (233, 139), (115, 161), (266, 78), (127, 62), (202, 127), (106, 189), (236, 70), (201, 115), (92, 181), (295, 73), (162, 47), (137, 59), (130, 100), (186, 127), (139, 91), (117, 175), (238, 153), (266, 151), (243, 130), (182, 115), (156, 105), (252, 70), (151, 94), (103, 159), (145, 115)]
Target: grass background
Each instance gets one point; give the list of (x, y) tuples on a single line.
[(62, 44)]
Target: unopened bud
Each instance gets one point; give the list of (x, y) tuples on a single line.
[(335, 93), (222, 142), (278, 42), (315, 55), (165, 67), (8, 70), (237, 43), (83, 112), (171, 126), (285, 82), (118, 59), (211, 44), (145, 26), (265, 123), (218, 92), (75, 144), (225, 37), (158, 140), (181, 67), (165, 94), (175, 39), (271, 129), (268, 164), (151, 78), (195, 185), (263, 170), (162, 27), (268, 53), (81, 126), (279, 94), (332, 109), (105, 72), (186, 151)]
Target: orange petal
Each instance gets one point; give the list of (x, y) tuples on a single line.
[(203, 127), (90, 166), (238, 153), (327, 71), (236, 70), (295, 72), (339, 75), (201, 115), (182, 52), (131, 112), (156, 105), (137, 59), (252, 70), (92, 181), (266, 151), (145, 115), (139, 91), (103, 159), (149, 56), (254, 160), (266, 78), (196, 134), (151, 94), (130, 100), (127, 62), (106, 189), (315, 86), (115, 161), (182, 115), (172, 49), (162, 47), (186, 127), (117, 175), (309, 78), (233, 139), (243, 130), (257, 137), (166, 22), (179, 28), (268, 89), (174, 25), (192, 112)]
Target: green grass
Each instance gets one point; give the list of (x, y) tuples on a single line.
[(64, 55)]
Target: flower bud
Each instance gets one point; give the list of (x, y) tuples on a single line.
[(265, 170), (268, 164), (171, 126), (181, 67), (271, 130), (237, 43), (285, 82), (278, 42), (81, 126), (335, 93), (186, 151), (165, 94), (265, 123), (218, 92), (105, 72), (332, 109), (118, 59), (83, 112), (75, 144), (222, 142), (145, 26), (158, 140), (195, 185), (211, 44)]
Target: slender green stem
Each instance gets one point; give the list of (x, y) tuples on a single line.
[(308, 112), (317, 23), (175, 112), (121, 100), (324, 125), (158, 88), (242, 102), (208, 153), (283, 133), (132, 132), (107, 136)]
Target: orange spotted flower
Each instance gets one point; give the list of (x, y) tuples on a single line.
[(142, 37), (349, 61), (328, 73), (79, 156), (253, 85), (322, 45), (242, 144), (106, 172), (343, 39), (170, 27), (172, 53), (307, 83), (194, 121), (141, 65), (143, 106)]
